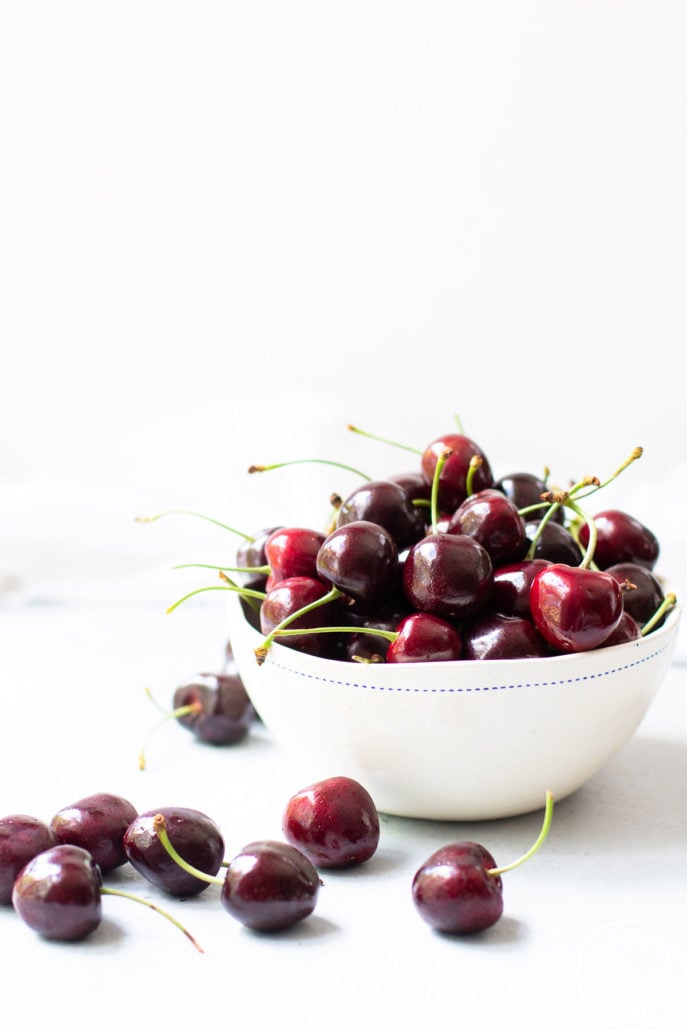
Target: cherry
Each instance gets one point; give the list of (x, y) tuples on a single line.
[(454, 474), (459, 890), (626, 630), (333, 821), (387, 504), (413, 483), (621, 538), (510, 593), (575, 608), (58, 894), (270, 885), (194, 835), (525, 490), (422, 637), (222, 711), (292, 551), (494, 635), (642, 590), (553, 542), (449, 576), (250, 554), (302, 603), (96, 823), (21, 838), (361, 560), (490, 518)]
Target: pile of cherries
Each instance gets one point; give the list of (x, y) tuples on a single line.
[(447, 562), (53, 873)]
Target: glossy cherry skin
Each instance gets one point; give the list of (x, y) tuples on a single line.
[(225, 710), (290, 596), (453, 476), (388, 505), (334, 822), (449, 576), (270, 885), (510, 593), (96, 823), (642, 590), (493, 636), (361, 560), (292, 551), (454, 893), (22, 837), (193, 835), (525, 490), (621, 538), (555, 543), (575, 609), (58, 893), (626, 630), (490, 518), (251, 554), (425, 638)]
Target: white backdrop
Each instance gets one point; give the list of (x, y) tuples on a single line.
[(229, 229)]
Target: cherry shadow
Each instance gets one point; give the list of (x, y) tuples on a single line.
[(507, 932), (314, 928)]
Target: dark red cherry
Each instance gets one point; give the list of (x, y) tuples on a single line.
[(361, 560), (386, 504), (225, 711), (58, 893), (413, 484), (510, 593), (292, 551), (642, 590), (22, 837), (270, 885), (334, 822), (453, 476), (574, 608), (490, 518), (195, 837), (492, 635), (621, 538), (289, 597), (449, 576), (453, 892), (96, 823), (555, 543), (626, 630), (525, 490), (425, 638)]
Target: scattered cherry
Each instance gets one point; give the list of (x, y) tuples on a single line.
[(194, 835), (22, 837), (96, 823), (333, 821)]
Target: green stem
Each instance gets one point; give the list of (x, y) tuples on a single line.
[(434, 496), (306, 461), (177, 713), (669, 601), (382, 439), (543, 833), (259, 595), (149, 904), (263, 570), (197, 515)]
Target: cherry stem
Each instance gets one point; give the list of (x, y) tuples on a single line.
[(156, 908), (388, 634), (635, 454), (160, 828), (306, 461), (261, 651), (197, 515), (543, 833), (244, 591), (588, 556), (263, 570), (669, 601), (434, 497), (177, 713), (382, 439), (475, 462)]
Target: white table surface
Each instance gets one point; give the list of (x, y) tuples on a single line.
[(593, 933)]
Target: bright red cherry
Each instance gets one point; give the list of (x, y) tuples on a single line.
[(334, 822), (453, 476), (574, 608)]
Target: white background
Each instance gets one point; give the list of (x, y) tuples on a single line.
[(227, 230)]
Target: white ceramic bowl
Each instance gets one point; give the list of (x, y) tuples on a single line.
[(467, 740)]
